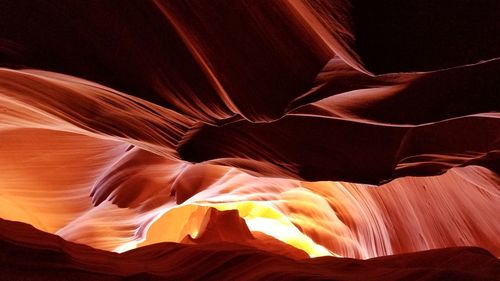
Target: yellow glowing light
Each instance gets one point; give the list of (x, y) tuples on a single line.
[(263, 217), (259, 216)]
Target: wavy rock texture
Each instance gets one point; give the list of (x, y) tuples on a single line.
[(248, 135)]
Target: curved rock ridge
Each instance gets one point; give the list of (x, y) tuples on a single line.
[(28, 253), (247, 134), (214, 60)]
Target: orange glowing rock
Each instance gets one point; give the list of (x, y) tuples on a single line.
[(273, 131)]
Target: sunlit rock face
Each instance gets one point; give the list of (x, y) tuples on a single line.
[(296, 129)]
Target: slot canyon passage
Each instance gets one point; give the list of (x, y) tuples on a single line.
[(249, 140)]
